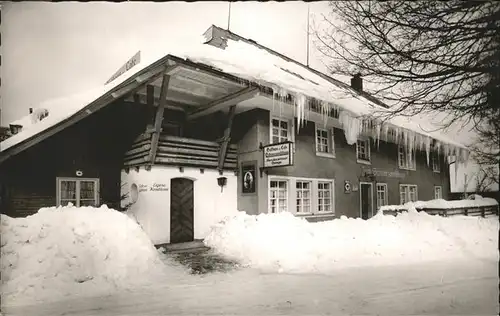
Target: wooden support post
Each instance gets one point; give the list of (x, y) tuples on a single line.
[(150, 95), (226, 138), (158, 119), (482, 212), (136, 99)]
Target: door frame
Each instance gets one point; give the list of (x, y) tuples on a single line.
[(360, 198)]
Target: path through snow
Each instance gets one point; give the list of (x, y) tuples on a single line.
[(446, 288)]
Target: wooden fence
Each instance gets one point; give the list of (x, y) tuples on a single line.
[(482, 211)]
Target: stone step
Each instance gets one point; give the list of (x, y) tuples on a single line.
[(192, 246)]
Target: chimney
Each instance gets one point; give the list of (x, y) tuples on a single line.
[(31, 110), (357, 82)]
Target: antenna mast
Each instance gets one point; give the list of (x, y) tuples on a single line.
[(307, 62), (229, 16)]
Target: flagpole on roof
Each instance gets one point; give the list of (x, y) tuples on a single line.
[(307, 62), (229, 16)]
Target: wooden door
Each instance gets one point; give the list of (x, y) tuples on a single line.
[(181, 210), (366, 199)]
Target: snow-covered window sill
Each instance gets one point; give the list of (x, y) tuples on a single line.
[(303, 214), (325, 155), (364, 162), (319, 214)]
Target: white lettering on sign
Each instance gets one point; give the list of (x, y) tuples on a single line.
[(278, 155)]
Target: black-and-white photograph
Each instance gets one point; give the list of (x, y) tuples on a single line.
[(249, 158)]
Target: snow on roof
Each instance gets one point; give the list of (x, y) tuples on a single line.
[(245, 61)]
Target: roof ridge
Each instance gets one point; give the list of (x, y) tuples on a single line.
[(317, 72)]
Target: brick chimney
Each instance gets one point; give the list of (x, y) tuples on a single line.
[(357, 82)]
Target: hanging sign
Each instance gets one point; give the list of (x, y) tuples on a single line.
[(278, 155)]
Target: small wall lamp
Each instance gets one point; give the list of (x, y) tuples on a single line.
[(221, 181)]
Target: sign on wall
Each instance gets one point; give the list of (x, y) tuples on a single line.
[(153, 187), (248, 178), (347, 186), (377, 172), (278, 155)]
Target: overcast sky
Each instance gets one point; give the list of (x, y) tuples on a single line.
[(54, 49)]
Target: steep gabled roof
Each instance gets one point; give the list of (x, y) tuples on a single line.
[(244, 60)]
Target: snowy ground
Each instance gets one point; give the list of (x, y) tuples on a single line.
[(88, 261), (444, 288)]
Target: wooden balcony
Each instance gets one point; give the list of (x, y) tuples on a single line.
[(179, 151)]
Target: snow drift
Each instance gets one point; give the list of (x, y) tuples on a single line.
[(65, 251), (285, 243), (443, 204)]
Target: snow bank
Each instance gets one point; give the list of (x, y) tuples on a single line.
[(443, 204), (282, 242), (65, 251)]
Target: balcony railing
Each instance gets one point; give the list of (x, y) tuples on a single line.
[(179, 151)]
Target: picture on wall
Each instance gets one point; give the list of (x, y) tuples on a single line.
[(248, 178)]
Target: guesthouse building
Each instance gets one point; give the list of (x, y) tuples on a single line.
[(181, 139)]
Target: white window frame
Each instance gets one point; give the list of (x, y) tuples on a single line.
[(290, 130), (368, 149), (407, 192), (302, 198), (292, 194), (438, 188), (78, 184), (404, 154), (330, 153), (436, 167), (332, 201), (287, 195), (385, 191)]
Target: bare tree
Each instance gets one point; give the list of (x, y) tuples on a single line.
[(486, 178), (423, 56)]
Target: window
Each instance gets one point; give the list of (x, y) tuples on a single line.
[(407, 193), (278, 196), (301, 196), (438, 192), (303, 192), (317, 107), (381, 195), (363, 151), (436, 167), (79, 192), (325, 197), (325, 143), (281, 130), (406, 158)]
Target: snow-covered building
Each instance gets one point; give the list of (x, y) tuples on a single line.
[(188, 135)]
